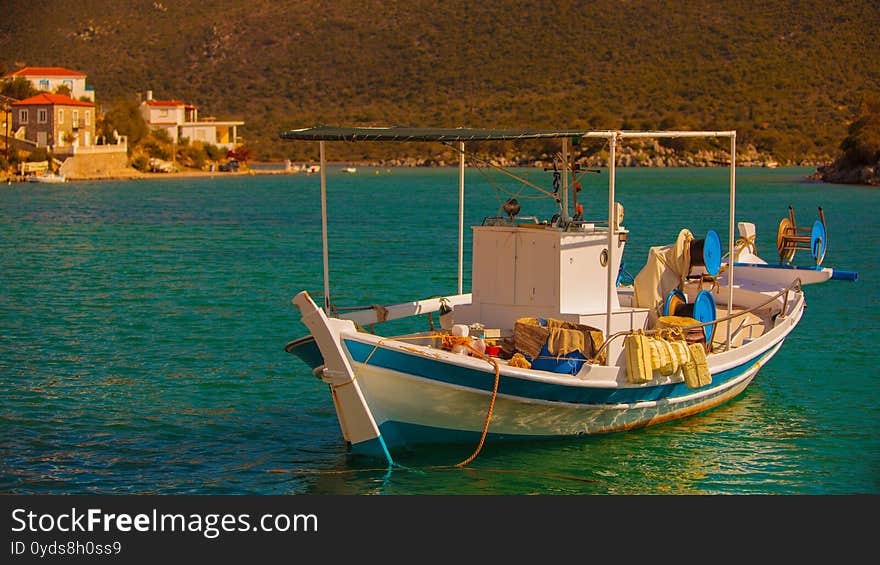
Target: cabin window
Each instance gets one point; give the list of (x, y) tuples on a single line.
[(61, 115), (42, 116), (44, 84), (22, 116)]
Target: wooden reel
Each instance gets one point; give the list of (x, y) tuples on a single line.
[(790, 238)]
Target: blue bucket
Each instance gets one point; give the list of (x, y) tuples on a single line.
[(570, 363)]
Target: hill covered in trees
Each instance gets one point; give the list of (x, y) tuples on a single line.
[(788, 75)]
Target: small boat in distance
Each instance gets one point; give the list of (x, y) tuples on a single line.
[(48, 177), (348, 170), (552, 340)]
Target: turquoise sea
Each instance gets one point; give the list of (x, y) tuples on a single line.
[(142, 326)]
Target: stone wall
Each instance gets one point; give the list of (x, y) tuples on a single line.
[(97, 165)]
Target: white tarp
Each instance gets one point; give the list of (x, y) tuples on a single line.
[(665, 270)]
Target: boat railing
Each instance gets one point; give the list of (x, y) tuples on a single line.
[(794, 286)]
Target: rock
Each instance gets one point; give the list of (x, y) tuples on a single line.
[(838, 173)]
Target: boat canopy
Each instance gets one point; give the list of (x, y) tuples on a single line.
[(462, 135), (398, 133)]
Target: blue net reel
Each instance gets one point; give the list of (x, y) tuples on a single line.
[(790, 238), (702, 309), (706, 253)]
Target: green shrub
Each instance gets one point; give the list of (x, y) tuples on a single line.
[(141, 163), (191, 156), (213, 152), (155, 149), (37, 155), (161, 135)]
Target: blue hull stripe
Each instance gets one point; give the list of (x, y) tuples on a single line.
[(524, 388)]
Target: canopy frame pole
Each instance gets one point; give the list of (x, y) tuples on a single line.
[(612, 165), (323, 161), (460, 216), (565, 216), (730, 257)]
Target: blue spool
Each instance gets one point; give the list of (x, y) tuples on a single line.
[(706, 253), (818, 242), (712, 252), (674, 299), (704, 311)]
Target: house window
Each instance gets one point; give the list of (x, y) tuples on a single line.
[(44, 84), (69, 84), (163, 113), (88, 114), (60, 115), (76, 118), (42, 116), (60, 138), (22, 116)]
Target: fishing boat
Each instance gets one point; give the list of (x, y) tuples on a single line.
[(553, 340)]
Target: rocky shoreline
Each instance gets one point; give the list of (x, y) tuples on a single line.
[(646, 155), (838, 173)]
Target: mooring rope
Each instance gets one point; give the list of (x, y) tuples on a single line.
[(489, 411), (461, 341)]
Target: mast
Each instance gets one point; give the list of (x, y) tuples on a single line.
[(565, 216), (324, 228), (730, 257), (612, 164), (460, 214)]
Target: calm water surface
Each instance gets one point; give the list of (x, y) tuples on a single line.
[(142, 326)]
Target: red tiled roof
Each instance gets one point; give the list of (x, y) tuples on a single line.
[(165, 103), (44, 99), (44, 72)]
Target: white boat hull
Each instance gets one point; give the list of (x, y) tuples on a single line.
[(48, 178), (405, 395), (412, 410)]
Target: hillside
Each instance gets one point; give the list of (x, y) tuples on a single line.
[(788, 75)]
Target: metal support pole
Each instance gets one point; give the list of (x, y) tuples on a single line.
[(730, 257), (460, 215), (612, 213), (565, 216), (8, 116), (324, 229)]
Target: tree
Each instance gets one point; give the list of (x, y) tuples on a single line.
[(862, 145), (125, 118), (63, 89), (18, 88)]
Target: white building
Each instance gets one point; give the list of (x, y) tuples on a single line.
[(179, 119), (48, 79)]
